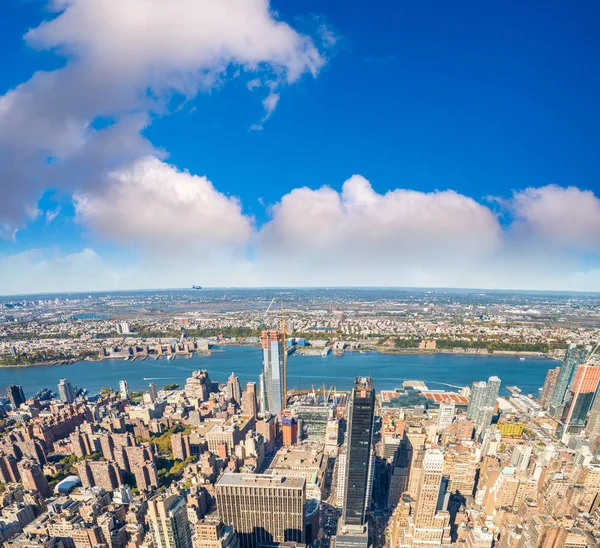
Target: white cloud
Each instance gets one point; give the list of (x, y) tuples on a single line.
[(359, 234), (177, 230), (253, 84), (51, 214), (559, 217), (126, 60), (269, 104), (152, 205), (37, 272)]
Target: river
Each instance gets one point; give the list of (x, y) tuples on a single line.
[(439, 371)]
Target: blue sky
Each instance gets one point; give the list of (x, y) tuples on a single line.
[(470, 128)]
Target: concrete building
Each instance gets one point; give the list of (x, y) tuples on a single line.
[(169, 525), (65, 391), (262, 509), (124, 390), (445, 415), (234, 390), (250, 401), (305, 462), (33, 478)]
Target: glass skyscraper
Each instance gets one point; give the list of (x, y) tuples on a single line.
[(483, 401), (573, 357), (271, 378), (361, 412)]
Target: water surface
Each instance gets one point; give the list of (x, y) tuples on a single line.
[(439, 371)]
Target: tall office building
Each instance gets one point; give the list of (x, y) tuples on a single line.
[(549, 386), (234, 390), (580, 398), (361, 412), (124, 390), (153, 392), (249, 401), (169, 523), (263, 509), (445, 415), (492, 391), (476, 399), (573, 357), (429, 488), (15, 395), (521, 457), (483, 401), (65, 391), (271, 378), (427, 526)]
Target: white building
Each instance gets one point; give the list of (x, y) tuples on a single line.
[(123, 328), (445, 416), (124, 390)]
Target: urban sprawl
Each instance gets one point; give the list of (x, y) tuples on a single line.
[(209, 465)]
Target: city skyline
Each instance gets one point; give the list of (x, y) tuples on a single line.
[(306, 145), (198, 465)]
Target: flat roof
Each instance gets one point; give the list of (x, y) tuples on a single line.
[(262, 480)]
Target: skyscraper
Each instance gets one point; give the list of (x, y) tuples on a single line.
[(263, 509), (429, 488), (476, 399), (573, 356), (153, 392), (426, 525), (483, 401), (234, 390), (65, 391), (249, 401), (361, 413), (124, 390), (15, 395), (549, 386), (169, 522), (445, 415), (579, 398), (271, 378)]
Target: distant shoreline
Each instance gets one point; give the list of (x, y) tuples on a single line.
[(378, 349)]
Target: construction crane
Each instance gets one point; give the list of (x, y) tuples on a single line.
[(261, 320)]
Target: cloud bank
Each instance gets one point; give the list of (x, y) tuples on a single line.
[(79, 129), (184, 231), (125, 63)]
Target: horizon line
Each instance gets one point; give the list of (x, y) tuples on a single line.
[(298, 288)]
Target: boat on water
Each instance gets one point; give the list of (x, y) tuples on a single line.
[(338, 353), (522, 359), (126, 359)]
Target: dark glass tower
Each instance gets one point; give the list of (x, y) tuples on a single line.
[(361, 413), (15, 395)]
